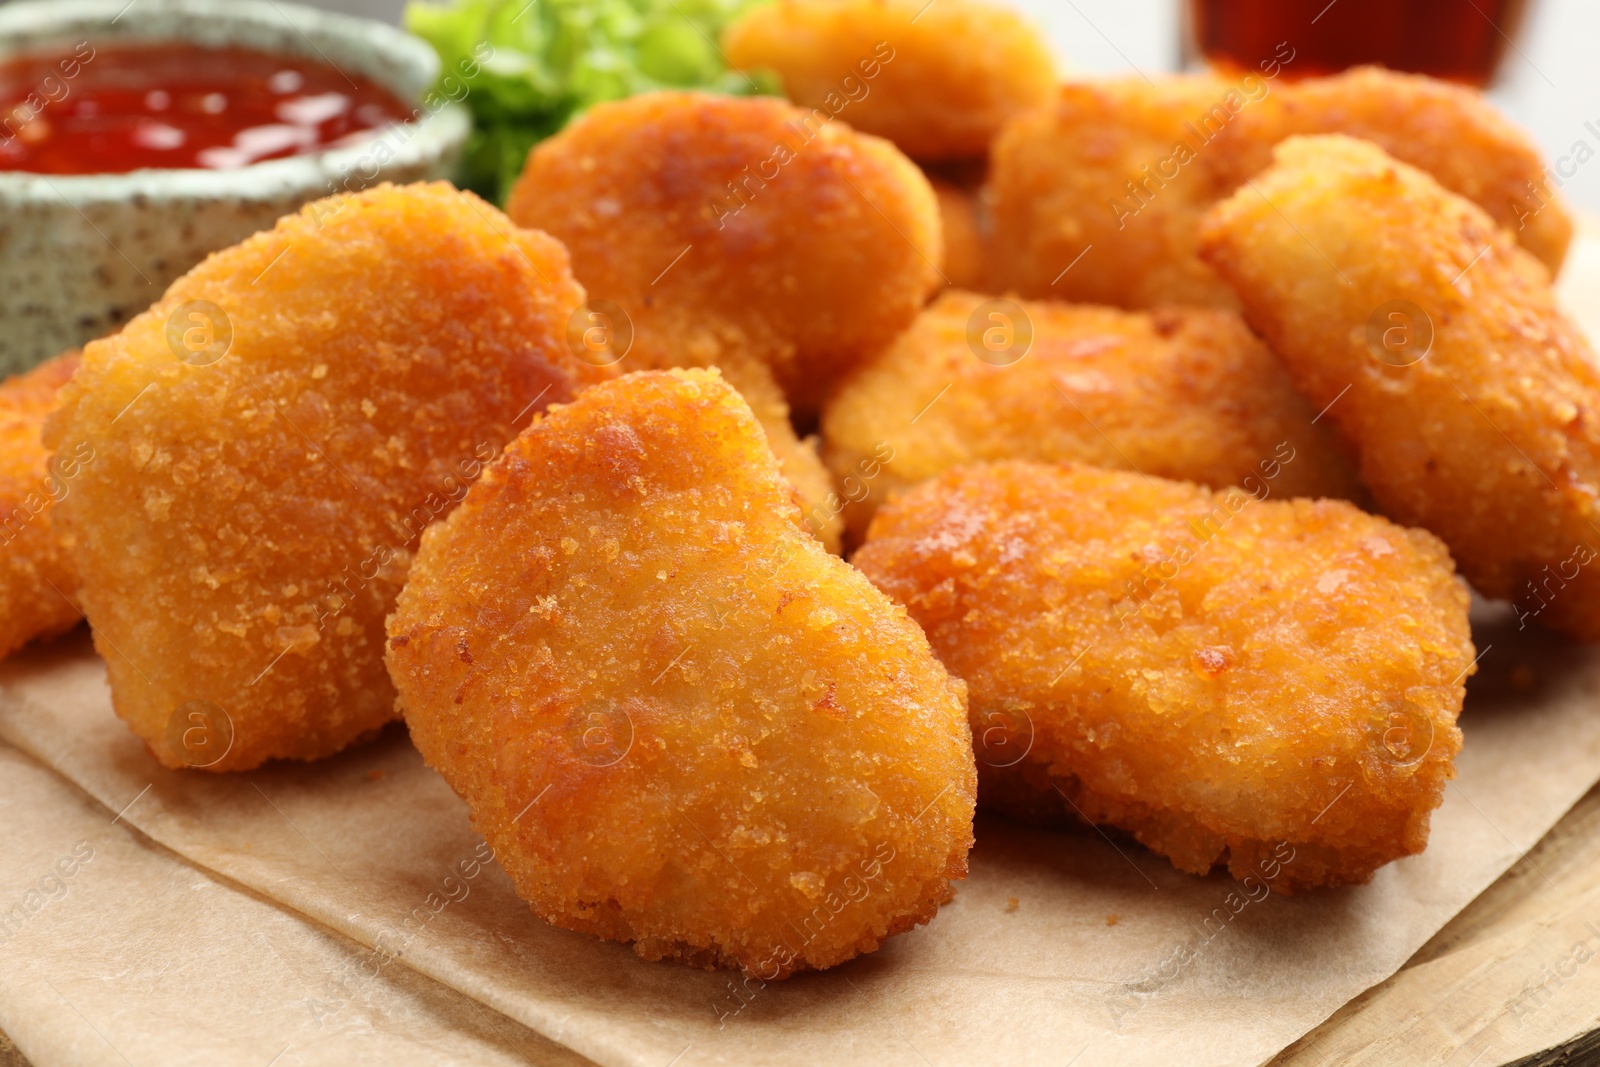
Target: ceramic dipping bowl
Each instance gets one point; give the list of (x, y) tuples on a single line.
[(80, 255)]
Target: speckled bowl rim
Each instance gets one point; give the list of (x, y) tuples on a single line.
[(405, 65)]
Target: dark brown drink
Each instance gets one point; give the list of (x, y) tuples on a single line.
[(1462, 40)]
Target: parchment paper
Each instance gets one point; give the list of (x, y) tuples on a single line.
[(1105, 954), (115, 951)]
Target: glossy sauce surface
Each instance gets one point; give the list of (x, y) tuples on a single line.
[(114, 109), (1462, 40)]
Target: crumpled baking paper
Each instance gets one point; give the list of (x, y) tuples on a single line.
[(115, 951), (1057, 945)]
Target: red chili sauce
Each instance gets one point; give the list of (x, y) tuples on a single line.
[(110, 110)]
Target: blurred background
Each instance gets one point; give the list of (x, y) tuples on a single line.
[(1548, 82)]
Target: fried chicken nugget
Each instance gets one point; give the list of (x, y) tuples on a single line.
[(1270, 685), (938, 80), (37, 575), (738, 228), (677, 720), (270, 439), (1121, 172), (1448, 130), (1468, 394), (1185, 393), (1061, 182)]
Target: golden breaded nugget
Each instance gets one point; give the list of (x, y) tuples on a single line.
[(1448, 130), (936, 79), (966, 248), (1083, 208), (1128, 168), (1267, 685), (677, 720), (1185, 393), (1468, 394), (270, 440), (738, 228), (37, 575)]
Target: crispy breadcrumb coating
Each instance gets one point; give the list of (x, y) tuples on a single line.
[(738, 228), (1448, 130), (936, 79), (1220, 675), (270, 439), (677, 720), (1185, 393), (1059, 196), (1489, 437), (37, 577), (1125, 169)]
